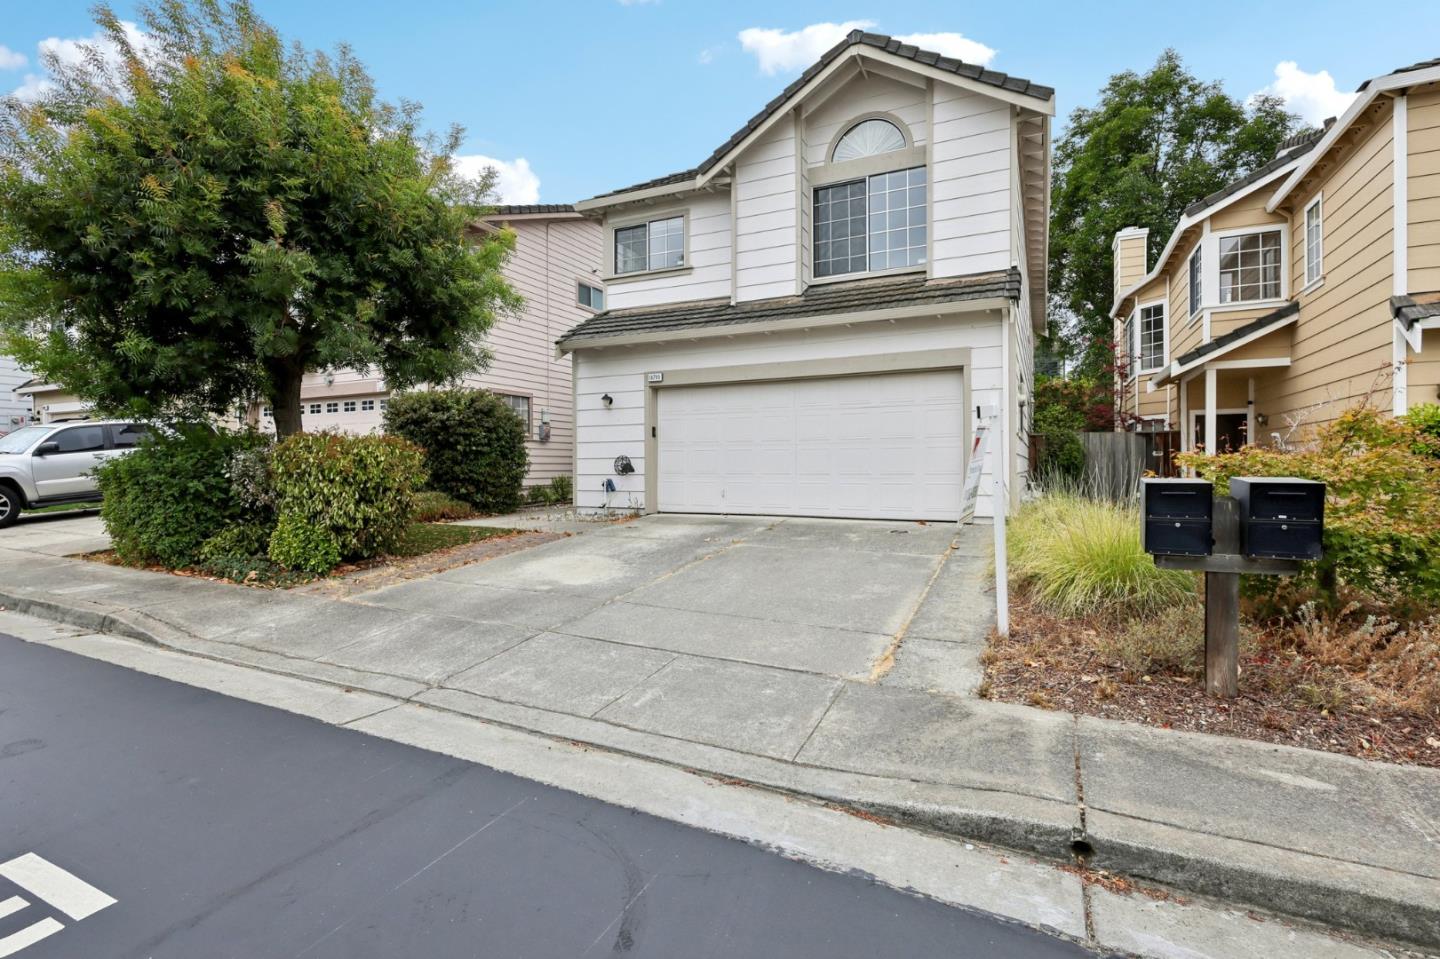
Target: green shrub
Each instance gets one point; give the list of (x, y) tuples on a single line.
[(1425, 420), (433, 506), (474, 444), (297, 544), (164, 500), (560, 489), (1061, 456), (341, 497), (1080, 557), (248, 539), (1382, 498)]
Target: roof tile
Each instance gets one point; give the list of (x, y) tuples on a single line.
[(854, 296)]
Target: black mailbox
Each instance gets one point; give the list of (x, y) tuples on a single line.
[(1280, 517), (1177, 515)]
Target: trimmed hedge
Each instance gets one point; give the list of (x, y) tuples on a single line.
[(164, 500), (341, 497), (474, 444)]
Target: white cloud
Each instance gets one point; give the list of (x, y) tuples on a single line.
[(10, 60), (707, 55), (955, 45), (71, 51), (1312, 95), (515, 182), (781, 52)]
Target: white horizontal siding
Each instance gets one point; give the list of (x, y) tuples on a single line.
[(708, 274), (861, 96), (767, 216), (14, 410), (620, 429), (973, 200)]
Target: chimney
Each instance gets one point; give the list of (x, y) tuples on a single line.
[(1129, 256)]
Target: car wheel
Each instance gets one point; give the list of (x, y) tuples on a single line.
[(9, 506)]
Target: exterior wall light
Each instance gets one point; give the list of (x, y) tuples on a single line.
[(607, 399)]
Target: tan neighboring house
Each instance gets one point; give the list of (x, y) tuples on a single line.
[(1300, 290), (553, 267), (807, 322)]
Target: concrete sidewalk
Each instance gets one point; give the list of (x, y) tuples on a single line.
[(832, 660)]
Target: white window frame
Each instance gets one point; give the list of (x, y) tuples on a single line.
[(367, 406), (1214, 270), (315, 409), (921, 267), (332, 407), (349, 406), (581, 285), (1317, 205), (1131, 337), (1195, 272), (657, 216), (1164, 334)]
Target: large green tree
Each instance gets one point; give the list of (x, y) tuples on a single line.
[(1153, 144), (197, 215)]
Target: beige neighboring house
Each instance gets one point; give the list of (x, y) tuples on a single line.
[(807, 322), (553, 267), (1300, 290)]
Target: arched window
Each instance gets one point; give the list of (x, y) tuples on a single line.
[(867, 138)]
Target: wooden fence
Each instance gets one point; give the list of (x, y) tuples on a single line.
[(1114, 463)]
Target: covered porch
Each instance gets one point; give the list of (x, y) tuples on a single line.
[(1216, 384)]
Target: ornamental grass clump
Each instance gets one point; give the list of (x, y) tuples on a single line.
[(1082, 557)]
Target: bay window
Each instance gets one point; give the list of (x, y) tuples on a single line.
[(871, 224)]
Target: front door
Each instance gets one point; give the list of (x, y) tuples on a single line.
[(68, 471), (1230, 429)]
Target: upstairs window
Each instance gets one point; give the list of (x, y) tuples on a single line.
[(1250, 267), (868, 138), (1195, 299), (1152, 337), (591, 297), (656, 245), (1314, 242), (876, 223), (1127, 348)]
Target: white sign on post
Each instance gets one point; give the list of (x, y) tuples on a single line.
[(984, 422)]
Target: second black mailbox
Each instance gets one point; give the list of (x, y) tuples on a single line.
[(1178, 514), (1280, 517)]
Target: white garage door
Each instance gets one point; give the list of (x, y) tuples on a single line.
[(886, 446)]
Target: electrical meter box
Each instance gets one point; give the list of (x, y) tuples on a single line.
[(1177, 514), (1280, 517)]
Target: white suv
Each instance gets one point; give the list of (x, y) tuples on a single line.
[(46, 465)]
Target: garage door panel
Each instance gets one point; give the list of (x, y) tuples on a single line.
[(884, 446)]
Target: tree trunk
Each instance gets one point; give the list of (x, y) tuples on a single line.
[(285, 379)]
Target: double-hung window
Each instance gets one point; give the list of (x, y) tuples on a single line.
[(876, 223), (1314, 242), (1152, 337), (521, 406), (1250, 267), (1195, 291), (655, 245)]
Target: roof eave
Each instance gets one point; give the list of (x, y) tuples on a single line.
[(943, 308), (1370, 90)]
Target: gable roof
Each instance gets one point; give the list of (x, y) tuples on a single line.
[(1294, 147), (828, 299), (854, 38), (525, 209)]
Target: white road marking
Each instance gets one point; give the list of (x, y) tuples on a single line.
[(28, 936), (45, 880), (12, 905)]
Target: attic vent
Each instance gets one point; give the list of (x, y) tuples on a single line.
[(867, 138)]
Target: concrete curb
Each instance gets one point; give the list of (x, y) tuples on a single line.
[(1363, 899)]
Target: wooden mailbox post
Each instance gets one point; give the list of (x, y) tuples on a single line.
[(1223, 568)]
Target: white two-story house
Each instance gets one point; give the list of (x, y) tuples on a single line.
[(809, 322)]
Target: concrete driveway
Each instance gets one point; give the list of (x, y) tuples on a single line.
[(740, 632)]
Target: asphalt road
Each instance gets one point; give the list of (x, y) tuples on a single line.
[(227, 829)]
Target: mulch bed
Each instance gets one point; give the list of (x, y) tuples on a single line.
[(1043, 663)]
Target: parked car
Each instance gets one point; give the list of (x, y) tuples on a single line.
[(55, 463)]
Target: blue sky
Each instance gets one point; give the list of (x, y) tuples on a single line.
[(578, 97)]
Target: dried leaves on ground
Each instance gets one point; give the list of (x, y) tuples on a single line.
[(1345, 683)]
